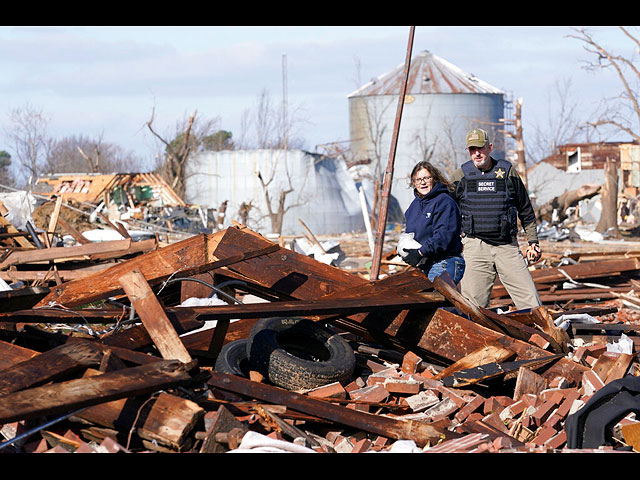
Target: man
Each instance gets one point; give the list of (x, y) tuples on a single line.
[(492, 197)]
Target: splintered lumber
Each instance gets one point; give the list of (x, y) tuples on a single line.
[(166, 419), (153, 317), (286, 273), (487, 371), (454, 337), (49, 366), (225, 423), (283, 271), (493, 352), (488, 318), (188, 257), (421, 433), (528, 381), (66, 396)]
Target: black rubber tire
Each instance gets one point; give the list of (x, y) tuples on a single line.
[(298, 354), (233, 359)]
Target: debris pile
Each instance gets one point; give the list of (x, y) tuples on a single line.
[(117, 360)]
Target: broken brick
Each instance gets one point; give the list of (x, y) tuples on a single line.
[(410, 362)]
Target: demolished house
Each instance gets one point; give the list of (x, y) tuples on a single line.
[(301, 356), (144, 199), (566, 189)]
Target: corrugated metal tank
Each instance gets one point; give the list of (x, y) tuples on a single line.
[(442, 103), (323, 194)]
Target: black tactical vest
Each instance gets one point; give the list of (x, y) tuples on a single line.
[(487, 206)]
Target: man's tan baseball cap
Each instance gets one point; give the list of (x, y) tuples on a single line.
[(477, 138)]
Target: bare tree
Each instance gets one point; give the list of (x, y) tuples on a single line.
[(6, 176), (562, 125), (28, 134), (621, 112), (81, 154), (273, 128), (188, 137), (276, 212)]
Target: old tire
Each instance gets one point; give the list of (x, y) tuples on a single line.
[(298, 354), (233, 359)]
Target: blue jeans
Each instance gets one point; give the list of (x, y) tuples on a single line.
[(454, 266)]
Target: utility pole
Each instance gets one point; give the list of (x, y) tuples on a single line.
[(521, 164), (388, 177)]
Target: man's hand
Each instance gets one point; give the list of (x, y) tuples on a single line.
[(413, 257), (534, 253)]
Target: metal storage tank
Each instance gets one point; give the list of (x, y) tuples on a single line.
[(323, 194), (442, 103)]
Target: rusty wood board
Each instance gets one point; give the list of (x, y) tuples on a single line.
[(48, 366), (419, 432), (453, 337), (10, 354), (284, 271), (488, 318), (66, 396), (153, 317)]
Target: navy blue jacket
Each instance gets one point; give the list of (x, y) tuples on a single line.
[(436, 223)]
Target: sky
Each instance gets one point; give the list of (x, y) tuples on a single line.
[(104, 81)]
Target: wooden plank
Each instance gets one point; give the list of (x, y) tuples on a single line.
[(470, 376), (153, 317), (494, 352), (528, 381), (11, 354), (421, 433), (77, 236), (488, 318), (66, 274), (48, 366), (320, 307), (67, 396), (284, 271), (188, 257), (57, 253)]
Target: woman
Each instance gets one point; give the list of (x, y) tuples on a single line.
[(434, 219)]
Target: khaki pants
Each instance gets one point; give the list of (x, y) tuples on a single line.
[(484, 262)]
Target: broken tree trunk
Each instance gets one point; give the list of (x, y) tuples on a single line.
[(609, 216)]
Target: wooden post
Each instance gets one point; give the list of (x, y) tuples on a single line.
[(388, 176)]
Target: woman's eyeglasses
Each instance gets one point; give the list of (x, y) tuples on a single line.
[(424, 180)]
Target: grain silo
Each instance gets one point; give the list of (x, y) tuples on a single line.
[(442, 103)]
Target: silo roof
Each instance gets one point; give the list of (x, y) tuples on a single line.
[(428, 73)]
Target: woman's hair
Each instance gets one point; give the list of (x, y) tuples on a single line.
[(437, 175)]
